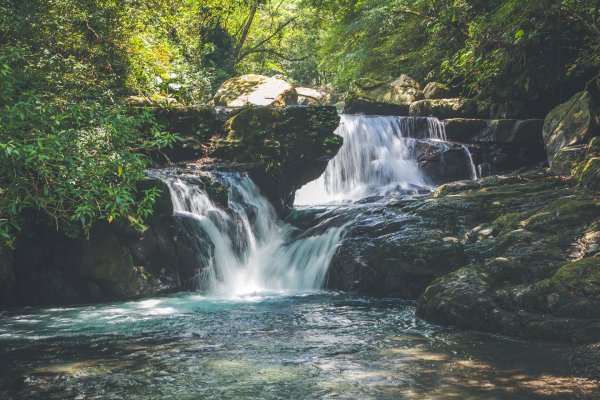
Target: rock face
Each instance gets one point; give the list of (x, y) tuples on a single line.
[(383, 98), (255, 90), (517, 254), (571, 123), (283, 148), (114, 263), (443, 162), (194, 125), (6, 273), (508, 110), (504, 145), (450, 108), (435, 90)]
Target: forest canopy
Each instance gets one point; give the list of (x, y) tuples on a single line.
[(71, 148)]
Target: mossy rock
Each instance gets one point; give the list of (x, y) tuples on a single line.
[(588, 173), (573, 122)]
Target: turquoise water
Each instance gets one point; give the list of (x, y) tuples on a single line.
[(268, 346)]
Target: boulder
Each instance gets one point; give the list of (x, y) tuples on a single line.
[(564, 306), (450, 108), (436, 90), (310, 97), (571, 123), (568, 158), (383, 98), (384, 253), (255, 90)]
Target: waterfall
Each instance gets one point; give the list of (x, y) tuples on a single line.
[(250, 250), (377, 159)]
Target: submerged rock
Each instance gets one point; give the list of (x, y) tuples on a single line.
[(255, 90), (571, 123)]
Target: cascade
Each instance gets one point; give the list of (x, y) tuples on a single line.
[(250, 249), (377, 159)]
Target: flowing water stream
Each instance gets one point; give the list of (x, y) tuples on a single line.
[(260, 326)]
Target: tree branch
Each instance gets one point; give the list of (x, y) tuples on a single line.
[(412, 12), (253, 49)]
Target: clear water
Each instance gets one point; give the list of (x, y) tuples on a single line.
[(268, 346)]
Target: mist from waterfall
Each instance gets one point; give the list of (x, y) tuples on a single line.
[(377, 159), (250, 250)]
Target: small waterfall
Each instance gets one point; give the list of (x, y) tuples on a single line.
[(250, 249), (377, 159)]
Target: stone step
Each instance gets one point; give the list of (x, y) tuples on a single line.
[(525, 132)]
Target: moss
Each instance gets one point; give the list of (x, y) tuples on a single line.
[(588, 173), (562, 214), (580, 277), (509, 221)]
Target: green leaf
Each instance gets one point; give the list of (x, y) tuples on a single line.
[(519, 34)]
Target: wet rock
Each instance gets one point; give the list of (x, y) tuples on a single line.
[(255, 90), (562, 307), (520, 281), (450, 108), (443, 162), (388, 253), (588, 173), (6, 272), (571, 123), (436, 90), (284, 148)]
